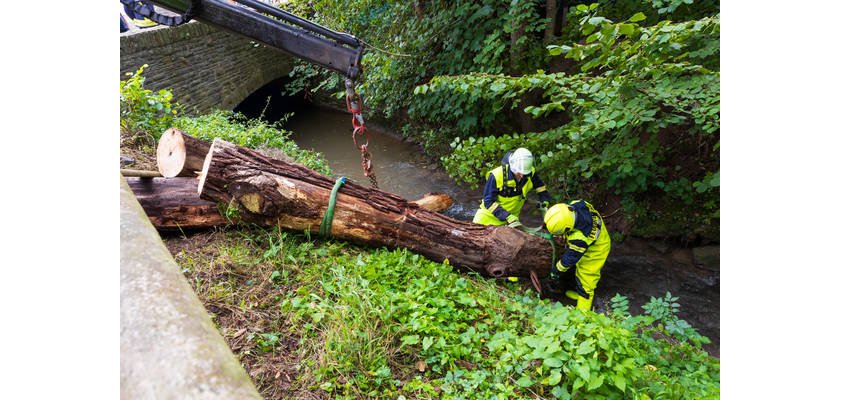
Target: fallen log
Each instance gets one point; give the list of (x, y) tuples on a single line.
[(297, 198), (179, 154), (174, 203)]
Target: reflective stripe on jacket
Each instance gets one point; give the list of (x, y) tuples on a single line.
[(588, 245), (503, 195)]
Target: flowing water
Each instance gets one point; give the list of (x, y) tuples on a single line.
[(400, 167), (634, 269)]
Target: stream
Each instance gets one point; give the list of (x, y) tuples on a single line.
[(635, 268)]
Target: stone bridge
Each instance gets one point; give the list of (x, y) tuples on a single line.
[(206, 68)]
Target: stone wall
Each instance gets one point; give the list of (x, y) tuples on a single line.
[(206, 68)]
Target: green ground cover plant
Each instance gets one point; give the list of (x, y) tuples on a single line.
[(389, 323)]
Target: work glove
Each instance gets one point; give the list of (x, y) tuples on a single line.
[(550, 288), (513, 221)]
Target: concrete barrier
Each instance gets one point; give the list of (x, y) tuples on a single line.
[(169, 347)]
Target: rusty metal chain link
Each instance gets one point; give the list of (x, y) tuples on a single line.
[(354, 106)]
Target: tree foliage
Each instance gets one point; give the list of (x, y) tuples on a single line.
[(644, 97), (634, 114)]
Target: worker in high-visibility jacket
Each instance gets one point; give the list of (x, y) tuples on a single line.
[(506, 188), (588, 245)]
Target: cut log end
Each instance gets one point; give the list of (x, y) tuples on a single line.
[(204, 168), (171, 153), (437, 202)]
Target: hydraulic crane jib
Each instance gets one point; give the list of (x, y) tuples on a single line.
[(299, 37)]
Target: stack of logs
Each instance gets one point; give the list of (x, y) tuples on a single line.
[(274, 191)]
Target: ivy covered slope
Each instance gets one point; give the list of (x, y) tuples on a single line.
[(621, 105), (390, 324)]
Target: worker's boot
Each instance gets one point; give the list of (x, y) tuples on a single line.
[(584, 304)]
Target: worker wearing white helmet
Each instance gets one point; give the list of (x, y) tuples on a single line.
[(588, 245), (506, 188)]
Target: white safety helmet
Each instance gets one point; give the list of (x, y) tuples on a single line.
[(521, 161)]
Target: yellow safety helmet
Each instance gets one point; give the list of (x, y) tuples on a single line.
[(558, 219)]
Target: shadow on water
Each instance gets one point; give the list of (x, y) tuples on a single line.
[(633, 270)]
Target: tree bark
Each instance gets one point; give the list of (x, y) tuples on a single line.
[(297, 198), (174, 203), (552, 16), (179, 154)]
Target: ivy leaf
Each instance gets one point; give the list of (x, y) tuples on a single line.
[(586, 347), (626, 29), (427, 342), (596, 21), (595, 382), (555, 377), (619, 381), (525, 381), (637, 17), (410, 339), (553, 362), (561, 393)]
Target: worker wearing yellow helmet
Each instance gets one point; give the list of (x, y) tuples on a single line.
[(588, 245), (506, 188)]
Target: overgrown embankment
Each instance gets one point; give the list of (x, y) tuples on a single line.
[(321, 319), (311, 317)]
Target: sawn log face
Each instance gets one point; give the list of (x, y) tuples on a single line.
[(297, 198)]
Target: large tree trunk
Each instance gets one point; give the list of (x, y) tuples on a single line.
[(179, 154), (174, 203), (297, 198), (552, 16)]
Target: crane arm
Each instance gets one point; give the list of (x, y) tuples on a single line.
[(291, 34)]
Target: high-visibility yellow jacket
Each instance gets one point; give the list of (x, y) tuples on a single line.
[(588, 245), (503, 195)]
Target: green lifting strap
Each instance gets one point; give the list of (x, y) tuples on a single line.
[(327, 221)]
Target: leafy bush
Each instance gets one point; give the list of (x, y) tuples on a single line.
[(143, 112), (643, 99)]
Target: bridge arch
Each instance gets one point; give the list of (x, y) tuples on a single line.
[(206, 68)]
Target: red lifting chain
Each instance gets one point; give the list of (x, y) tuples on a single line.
[(354, 106)]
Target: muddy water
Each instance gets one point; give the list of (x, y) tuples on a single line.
[(637, 270), (400, 167)]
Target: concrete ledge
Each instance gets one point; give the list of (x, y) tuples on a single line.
[(169, 347)]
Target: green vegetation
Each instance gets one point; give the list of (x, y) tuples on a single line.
[(144, 114), (390, 323), (339, 321), (147, 114), (622, 101)]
